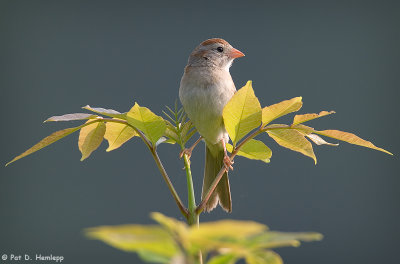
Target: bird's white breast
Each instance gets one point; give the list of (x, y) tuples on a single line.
[(204, 94)]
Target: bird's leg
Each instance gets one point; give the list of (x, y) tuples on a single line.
[(227, 161), (188, 151)]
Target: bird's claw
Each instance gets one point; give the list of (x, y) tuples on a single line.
[(228, 163), (186, 151)]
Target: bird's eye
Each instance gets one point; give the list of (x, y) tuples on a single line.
[(220, 49)]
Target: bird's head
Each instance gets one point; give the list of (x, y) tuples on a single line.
[(214, 52)]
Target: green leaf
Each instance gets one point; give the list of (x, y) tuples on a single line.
[(153, 257), (50, 140), (263, 257), (305, 130), (117, 134), (242, 113), (180, 229), (307, 117), (253, 149), (90, 138), (350, 138), (211, 236), (273, 239), (171, 132), (71, 117), (224, 228), (223, 259), (294, 140), (319, 141), (144, 239), (106, 112), (272, 112), (152, 125)]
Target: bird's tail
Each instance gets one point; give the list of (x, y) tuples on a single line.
[(222, 194)]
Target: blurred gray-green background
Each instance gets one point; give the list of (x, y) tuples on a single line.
[(57, 56)]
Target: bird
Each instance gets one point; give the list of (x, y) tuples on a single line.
[(205, 88)]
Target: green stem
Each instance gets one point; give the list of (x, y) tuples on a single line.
[(214, 184), (161, 168), (193, 217), (178, 201)]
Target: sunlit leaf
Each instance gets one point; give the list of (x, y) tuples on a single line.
[(305, 130), (178, 228), (117, 134), (71, 117), (165, 140), (273, 239), (307, 117), (223, 259), (146, 239), (275, 111), (253, 149), (50, 140), (90, 138), (226, 228), (242, 113), (319, 141), (170, 132), (263, 257), (152, 125), (106, 112), (153, 257), (350, 138), (294, 140), (215, 235)]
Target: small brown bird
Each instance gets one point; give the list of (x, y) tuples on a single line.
[(206, 87)]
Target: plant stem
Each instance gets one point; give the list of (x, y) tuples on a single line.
[(214, 184), (161, 168), (178, 201), (193, 217)]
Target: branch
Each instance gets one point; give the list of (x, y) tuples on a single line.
[(178, 201), (214, 184), (153, 151)]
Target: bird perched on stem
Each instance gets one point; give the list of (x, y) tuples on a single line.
[(206, 87)]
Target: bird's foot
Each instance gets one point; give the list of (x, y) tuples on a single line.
[(187, 151), (228, 163)]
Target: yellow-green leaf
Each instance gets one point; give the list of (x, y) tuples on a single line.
[(90, 138), (273, 239), (223, 259), (106, 112), (307, 117), (136, 238), (211, 236), (175, 226), (305, 130), (50, 140), (71, 117), (275, 111), (117, 134), (152, 125), (294, 140), (224, 228), (319, 141), (350, 138), (253, 149), (263, 257), (242, 113)]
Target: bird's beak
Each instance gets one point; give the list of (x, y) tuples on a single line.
[(236, 53)]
